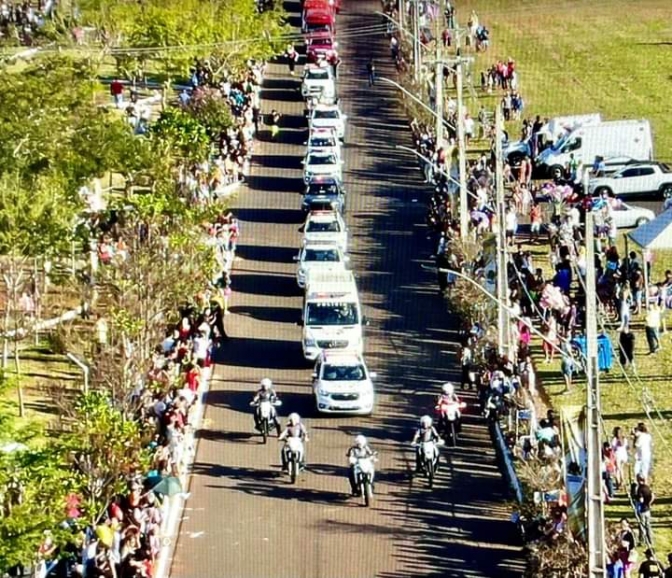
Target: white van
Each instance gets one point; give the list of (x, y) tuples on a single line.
[(548, 134), (332, 317), (621, 138)]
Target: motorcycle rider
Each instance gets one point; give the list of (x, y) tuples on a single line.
[(266, 392), (425, 433), (361, 449), (295, 429), (447, 396)]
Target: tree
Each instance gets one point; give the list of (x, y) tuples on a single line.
[(102, 450), (34, 221), (173, 33)]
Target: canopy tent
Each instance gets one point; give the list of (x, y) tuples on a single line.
[(652, 236), (656, 234)]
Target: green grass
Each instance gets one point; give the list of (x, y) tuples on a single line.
[(577, 57), (580, 57)]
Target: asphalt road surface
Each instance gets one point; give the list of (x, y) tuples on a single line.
[(244, 519)]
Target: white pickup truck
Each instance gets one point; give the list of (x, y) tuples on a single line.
[(635, 181)]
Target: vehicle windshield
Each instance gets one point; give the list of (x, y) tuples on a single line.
[(321, 160), (321, 255), (332, 314), (322, 142), (322, 189), (325, 114), (318, 74), (664, 168), (343, 373), (320, 42), (323, 227)]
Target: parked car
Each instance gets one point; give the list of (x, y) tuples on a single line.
[(324, 193), (643, 180), (328, 116), (321, 163), (325, 227), (627, 216), (342, 383), (318, 256)]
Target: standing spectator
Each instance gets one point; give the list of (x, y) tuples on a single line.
[(567, 367), (117, 92), (619, 443), (643, 450), (626, 347), (371, 71), (653, 315), (469, 126), (292, 58), (550, 339), (535, 222), (511, 224), (608, 468), (644, 499), (668, 571), (649, 568)]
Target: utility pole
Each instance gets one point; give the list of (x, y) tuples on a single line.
[(462, 153), (594, 503), (438, 91), (502, 260), (416, 41)]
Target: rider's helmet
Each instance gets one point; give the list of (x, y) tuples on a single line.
[(360, 441), (266, 383), (426, 421), (294, 419), (448, 388)]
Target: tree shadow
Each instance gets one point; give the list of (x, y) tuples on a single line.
[(264, 284), (271, 314)]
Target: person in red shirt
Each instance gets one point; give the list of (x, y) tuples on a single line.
[(193, 378), (117, 92)]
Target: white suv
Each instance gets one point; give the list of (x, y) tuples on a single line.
[(325, 227), (328, 116), (322, 163), (318, 81), (318, 256), (343, 384)]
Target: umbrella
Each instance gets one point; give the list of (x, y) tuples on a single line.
[(169, 486), (152, 479)]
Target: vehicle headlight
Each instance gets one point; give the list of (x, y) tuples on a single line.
[(301, 273), (322, 392), (310, 342)]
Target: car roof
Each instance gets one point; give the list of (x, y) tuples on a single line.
[(321, 153), (321, 246), (322, 132), (317, 66), (323, 216), (342, 357), (327, 107)]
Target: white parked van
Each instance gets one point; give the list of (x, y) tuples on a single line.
[(332, 317), (622, 138), (548, 134)]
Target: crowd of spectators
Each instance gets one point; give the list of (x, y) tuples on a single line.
[(19, 21)]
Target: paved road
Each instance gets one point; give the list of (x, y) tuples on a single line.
[(244, 520)]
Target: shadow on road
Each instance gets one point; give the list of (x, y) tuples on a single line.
[(264, 284), (247, 351), (275, 216), (273, 314), (268, 254)]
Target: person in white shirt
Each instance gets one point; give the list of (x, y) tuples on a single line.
[(469, 126), (643, 451)]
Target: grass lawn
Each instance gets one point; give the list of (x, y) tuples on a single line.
[(580, 57)]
